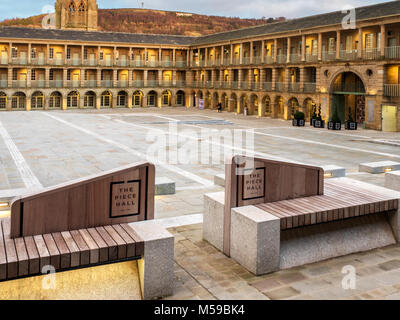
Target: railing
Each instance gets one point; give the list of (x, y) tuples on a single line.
[(56, 83), (295, 58), (234, 84), (201, 63), (38, 83), (19, 84), (19, 60), (72, 83), (246, 60), (107, 83), (311, 57), (217, 62), (294, 87), (122, 63), (348, 55), (166, 63), (106, 63), (392, 52), (371, 54), (282, 58), (180, 64), (137, 63), (309, 87), (268, 59), (152, 64), (225, 85), (74, 62), (235, 61), (4, 60), (56, 62), (217, 84), (122, 83), (90, 62), (165, 83), (256, 60), (328, 55), (255, 86), (391, 90), (227, 61), (138, 83), (267, 86), (209, 84), (279, 86), (180, 83), (244, 85), (38, 61), (152, 83), (3, 83), (90, 84)]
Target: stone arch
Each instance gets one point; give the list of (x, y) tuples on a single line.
[(243, 103), (166, 98), (253, 104), (18, 101), (267, 106), (73, 99), (308, 106), (106, 99), (292, 107), (180, 98), (3, 100), (37, 100), (278, 107), (122, 99), (90, 99), (225, 101), (55, 100), (151, 99), (233, 102), (137, 99)]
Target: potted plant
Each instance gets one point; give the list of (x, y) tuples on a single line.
[(319, 123), (335, 123), (350, 124), (299, 119)]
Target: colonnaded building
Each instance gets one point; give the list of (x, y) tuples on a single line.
[(272, 70)]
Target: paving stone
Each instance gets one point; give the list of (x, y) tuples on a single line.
[(390, 265), (282, 293)]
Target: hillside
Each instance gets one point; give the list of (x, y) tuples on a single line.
[(156, 22)]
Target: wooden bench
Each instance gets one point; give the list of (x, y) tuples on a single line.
[(275, 215), (89, 222)]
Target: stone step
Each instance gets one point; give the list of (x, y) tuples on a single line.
[(219, 180), (392, 180), (164, 186), (379, 167), (332, 171)]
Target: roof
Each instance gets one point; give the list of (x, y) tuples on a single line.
[(333, 18), (92, 36)]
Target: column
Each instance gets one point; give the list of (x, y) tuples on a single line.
[(241, 53), (159, 57), (174, 57), (130, 78), (230, 78), (263, 51), (83, 78), (231, 54), (83, 55), (205, 57), (160, 78), (213, 76), (222, 55), (46, 56), (115, 78), (29, 53), (319, 46), (98, 102), (289, 43), (274, 76), (360, 43), (145, 56), (29, 78), (47, 77), (145, 76), (174, 76), (383, 39), (10, 77), (65, 54), (262, 78), (302, 78), (275, 49), (303, 48), (190, 58), (214, 55), (287, 78), (338, 40), (98, 55), (28, 103), (98, 78), (240, 78), (251, 52), (250, 78)]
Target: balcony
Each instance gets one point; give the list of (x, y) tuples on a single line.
[(152, 83), (234, 85), (137, 63), (122, 83), (90, 83), (348, 55), (180, 83), (246, 60), (38, 83), (56, 62), (210, 62), (355, 87), (391, 90), (106, 83), (282, 58), (244, 85), (38, 61), (225, 85), (4, 60), (217, 84), (295, 58), (19, 84), (268, 59), (90, 62), (180, 64), (122, 63), (236, 61), (311, 57), (392, 53), (72, 83), (106, 63), (227, 62), (3, 83), (371, 54), (56, 83), (138, 83), (166, 83), (166, 64), (256, 60), (74, 62), (19, 60), (309, 87), (294, 87), (255, 86), (201, 63), (267, 86), (209, 84), (328, 55), (279, 86)]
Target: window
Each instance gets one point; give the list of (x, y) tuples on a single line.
[(101, 55), (86, 74), (369, 41), (14, 52), (68, 53), (85, 54), (68, 74), (55, 100), (332, 44), (33, 75), (3, 100), (73, 100), (349, 43), (51, 74), (33, 53), (37, 101), (15, 74), (314, 47), (51, 53)]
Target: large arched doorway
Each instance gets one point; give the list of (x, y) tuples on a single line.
[(73, 99), (55, 100), (89, 100), (106, 99), (122, 99), (180, 98), (3, 101), (308, 108), (37, 100), (137, 99), (18, 101), (254, 104), (224, 101), (348, 97), (293, 106), (267, 105), (152, 99), (166, 98), (279, 107)]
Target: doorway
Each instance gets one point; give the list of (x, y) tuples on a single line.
[(389, 118)]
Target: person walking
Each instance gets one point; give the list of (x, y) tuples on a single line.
[(219, 107)]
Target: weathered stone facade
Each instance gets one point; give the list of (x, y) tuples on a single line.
[(76, 14)]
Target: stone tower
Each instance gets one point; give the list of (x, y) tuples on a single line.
[(76, 14)]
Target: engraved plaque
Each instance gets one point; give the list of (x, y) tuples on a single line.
[(125, 199), (254, 184)]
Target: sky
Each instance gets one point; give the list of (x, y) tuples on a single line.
[(231, 8)]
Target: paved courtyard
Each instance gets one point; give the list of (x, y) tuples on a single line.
[(41, 149)]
